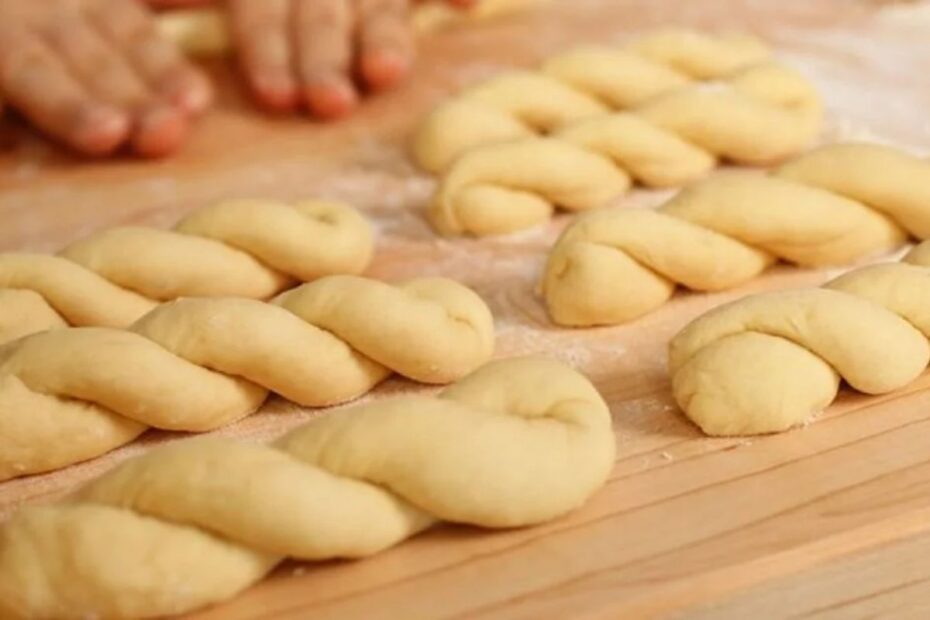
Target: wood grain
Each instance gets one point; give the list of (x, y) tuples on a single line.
[(828, 521)]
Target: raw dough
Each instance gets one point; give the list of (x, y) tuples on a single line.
[(516, 443), (438, 14), (828, 207), (768, 362), (196, 364), (205, 32), (241, 248), (590, 82), (675, 132)]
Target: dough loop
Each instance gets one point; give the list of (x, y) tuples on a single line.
[(499, 176), (831, 206), (196, 364), (516, 443), (768, 362), (241, 248)]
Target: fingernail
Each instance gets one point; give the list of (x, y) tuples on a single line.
[(330, 98), (276, 92), (159, 131), (384, 69), (99, 130)]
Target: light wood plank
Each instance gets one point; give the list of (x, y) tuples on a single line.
[(829, 521)]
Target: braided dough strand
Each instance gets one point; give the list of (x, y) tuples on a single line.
[(197, 364), (515, 443), (768, 362), (831, 206), (503, 183), (584, 83), (514, 185), (243, 248)]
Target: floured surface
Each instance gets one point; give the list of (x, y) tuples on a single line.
[(686, 523)]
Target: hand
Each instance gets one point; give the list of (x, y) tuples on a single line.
[(95, 75), (322, 53)]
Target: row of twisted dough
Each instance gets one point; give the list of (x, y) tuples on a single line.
[(241, 248), (771, 361), (67, 395), (830, 206), (499, 177), (516, 443)]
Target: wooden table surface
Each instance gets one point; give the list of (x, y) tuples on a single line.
[(829, 521)]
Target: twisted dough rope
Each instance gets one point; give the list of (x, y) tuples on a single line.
[(830, 206), (768, 362), (516, 443), (196, 364), (762, 114), (241, 248), (205, 31), (658, 76)]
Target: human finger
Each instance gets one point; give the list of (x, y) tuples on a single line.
[(35, 81), (156, 61), (385, 42), (261, 31), (323, 40)]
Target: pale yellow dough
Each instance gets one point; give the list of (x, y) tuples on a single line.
[(828, 207), (438, 14), (242, 248), (206, 32), (768, 362), (676, 129), (196, 364), (516, 443)]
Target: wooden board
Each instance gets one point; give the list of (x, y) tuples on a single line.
[(831, 521)]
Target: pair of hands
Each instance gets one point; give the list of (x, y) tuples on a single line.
[(96, 75)]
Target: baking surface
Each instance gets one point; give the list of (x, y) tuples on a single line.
[(832, 520)]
